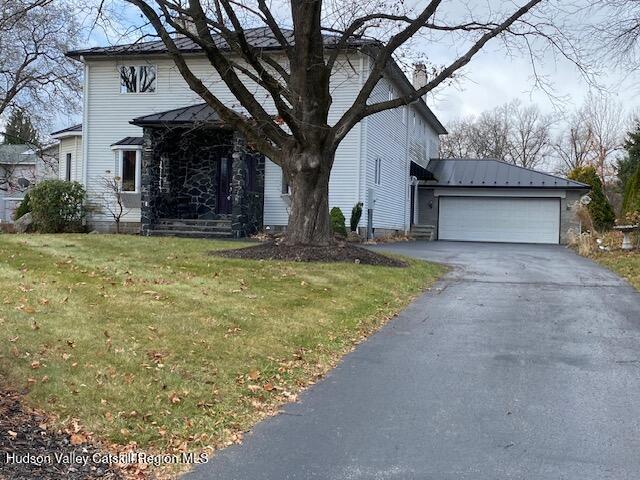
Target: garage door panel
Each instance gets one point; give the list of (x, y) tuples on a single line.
[(499, 219)]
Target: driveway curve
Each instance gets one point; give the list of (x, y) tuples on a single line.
[(524, 363)]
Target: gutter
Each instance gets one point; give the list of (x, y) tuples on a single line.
[(85, 124)]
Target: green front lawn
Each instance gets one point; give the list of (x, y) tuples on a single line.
[(152, 340), (625, 264)]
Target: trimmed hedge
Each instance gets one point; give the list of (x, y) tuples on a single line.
[(356, 214), (337, 222), (58, 206)]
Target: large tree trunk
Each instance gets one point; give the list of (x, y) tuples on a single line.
[(309, 222)]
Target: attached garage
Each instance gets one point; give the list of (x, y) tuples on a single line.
[(499, 219), (485, 200)]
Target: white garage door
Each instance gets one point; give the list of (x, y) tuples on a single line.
[(499, 219)]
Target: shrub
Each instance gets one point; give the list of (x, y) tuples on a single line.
[(23, 208), (58, 206), (337, 222), (600, 209), (356, 214)]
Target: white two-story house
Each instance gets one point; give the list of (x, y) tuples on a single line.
[(183, 172), (134, 94)]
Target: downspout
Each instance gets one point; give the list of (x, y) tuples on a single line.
[(85, 124), (361, 128), (407, 173), (364, 138)]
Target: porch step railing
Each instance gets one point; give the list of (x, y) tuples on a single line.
[(423, 232), (194, 228)]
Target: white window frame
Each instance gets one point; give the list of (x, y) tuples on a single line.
[(377, 171), (137, 66), (391, 93), (119, 149)]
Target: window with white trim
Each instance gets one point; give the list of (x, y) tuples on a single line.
[(377, 173), (137, 78), (129, 161)]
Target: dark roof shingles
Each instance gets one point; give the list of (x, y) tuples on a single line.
[(200, 113), (129, 141), (466, 172), (73, 128)]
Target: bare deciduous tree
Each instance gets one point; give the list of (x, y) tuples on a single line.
[(35, 75), (113, 199), (303, 141), (573, 147), (594, 135), (512, 133)]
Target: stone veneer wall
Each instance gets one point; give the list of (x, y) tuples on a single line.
[(179, 178), (247, 203)]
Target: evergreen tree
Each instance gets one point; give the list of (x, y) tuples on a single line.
[(627, 165), (20, 130), (631, 199), (601, 211)]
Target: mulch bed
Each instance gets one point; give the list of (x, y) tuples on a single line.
[(24, 433), (338, 252)]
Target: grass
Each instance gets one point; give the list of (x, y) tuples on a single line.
[(624, 263), (151, 340)]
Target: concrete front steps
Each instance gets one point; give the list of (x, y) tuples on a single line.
[(192, 228), (423, 232)]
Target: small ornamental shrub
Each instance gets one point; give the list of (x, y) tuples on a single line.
[(601, 211), (337, 222), (58, 206), (23, 208), (356, 214)]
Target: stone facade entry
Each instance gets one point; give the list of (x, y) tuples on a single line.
[(201, 173)]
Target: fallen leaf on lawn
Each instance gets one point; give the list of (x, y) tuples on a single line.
[(66, 356), (173, 398), (268, 387), (35, 365), (254, 374), (12, 434), (35, 326), (44, 301), (14, 339), (77, 439)]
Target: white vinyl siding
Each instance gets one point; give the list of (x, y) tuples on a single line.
[(109, 113), (396, 142), (499, 219), (70, 145)]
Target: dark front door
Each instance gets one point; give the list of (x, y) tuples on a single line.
[(224, 185)]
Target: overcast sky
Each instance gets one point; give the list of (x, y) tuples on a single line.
[(492, 78)]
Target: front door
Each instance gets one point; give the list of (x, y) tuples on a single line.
[(224, 185)]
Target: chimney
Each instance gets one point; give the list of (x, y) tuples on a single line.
[(419, 75)]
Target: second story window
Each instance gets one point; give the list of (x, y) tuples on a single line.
[(377, 173), (137, 78)]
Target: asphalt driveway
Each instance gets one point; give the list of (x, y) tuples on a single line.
[(523, 364)]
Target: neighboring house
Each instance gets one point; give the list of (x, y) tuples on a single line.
[(21, 166), (184, 172), (70, 153)]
